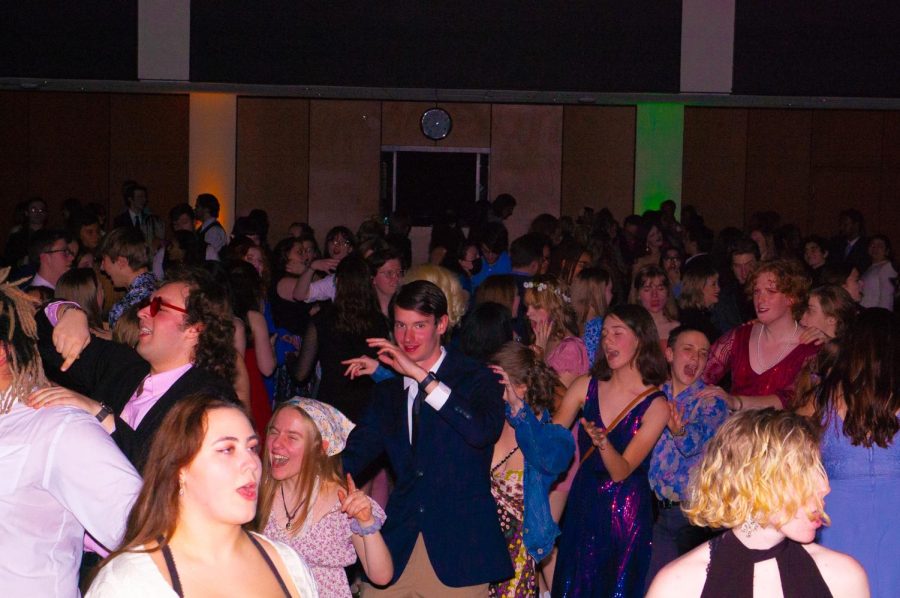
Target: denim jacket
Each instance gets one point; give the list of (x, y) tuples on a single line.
[(547, 449)]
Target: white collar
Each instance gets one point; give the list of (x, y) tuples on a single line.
[(407, 381)]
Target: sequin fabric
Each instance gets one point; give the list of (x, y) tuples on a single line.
[(604, 550), (509, 493)]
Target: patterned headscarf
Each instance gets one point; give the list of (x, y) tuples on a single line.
[(333, 425)]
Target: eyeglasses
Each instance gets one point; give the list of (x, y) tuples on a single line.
[(67, 251), (392, 273), (156, 303), (339, 242)]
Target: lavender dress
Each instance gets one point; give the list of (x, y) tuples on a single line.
[(604, 549)]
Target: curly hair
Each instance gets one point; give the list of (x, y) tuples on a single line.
[(448, 282), (547, 292), (523, 366), (207, 304), (763, 464), (791, 279), (18, 338)]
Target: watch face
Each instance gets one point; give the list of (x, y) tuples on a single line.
[(436, 123)]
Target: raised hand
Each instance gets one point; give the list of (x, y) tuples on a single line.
[(356, 504), (395, 358), (325, 265), (811, 335), (71, 335), (542, 330), (512, 398), (677, 419)]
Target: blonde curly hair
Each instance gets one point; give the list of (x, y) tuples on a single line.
[(761, 464), (448, 282)]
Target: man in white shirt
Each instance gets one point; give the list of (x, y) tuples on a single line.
[(62, 473), (206, 211), (50, 252)]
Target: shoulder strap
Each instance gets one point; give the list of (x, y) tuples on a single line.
[(634, 402), (272, 567), (206, 228), (173, 572)]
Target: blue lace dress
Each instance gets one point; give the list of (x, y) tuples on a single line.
[(604, 550), (865, 485)]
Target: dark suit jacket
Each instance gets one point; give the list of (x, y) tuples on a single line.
[(443, 488), (110, 373), (858, 256), (124, 220)]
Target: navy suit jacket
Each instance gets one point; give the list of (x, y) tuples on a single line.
[(443, 488)]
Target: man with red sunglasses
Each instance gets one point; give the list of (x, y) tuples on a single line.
[(185, 345)]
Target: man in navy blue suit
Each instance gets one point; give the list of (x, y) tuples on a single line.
[(437, 421)]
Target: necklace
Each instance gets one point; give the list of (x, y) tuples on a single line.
[(7, 398), (780, 355), (289, 516)]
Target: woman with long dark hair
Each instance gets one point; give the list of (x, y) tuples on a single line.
[(858, 405), (185, 534), (339, 333), (605, 548)]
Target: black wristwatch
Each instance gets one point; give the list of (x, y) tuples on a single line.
[(104, 411), (428, 379)]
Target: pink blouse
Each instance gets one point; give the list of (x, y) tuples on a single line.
[(326, 548), (731, 353), (570, 355)]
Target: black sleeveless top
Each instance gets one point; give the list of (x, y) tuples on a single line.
[(176, 581), (730, 570)]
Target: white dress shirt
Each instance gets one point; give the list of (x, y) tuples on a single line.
[(436, 398)]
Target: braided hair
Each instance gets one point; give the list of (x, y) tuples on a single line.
[(18, 336)]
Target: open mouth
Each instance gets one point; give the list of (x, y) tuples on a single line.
[(278, 460), (410, 348), (690, 371), (248, 491)]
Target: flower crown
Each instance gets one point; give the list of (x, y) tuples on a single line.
[(543, 286)]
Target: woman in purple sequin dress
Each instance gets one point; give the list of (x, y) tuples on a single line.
[(604, 549)]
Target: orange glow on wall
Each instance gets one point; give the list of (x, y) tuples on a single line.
[(212, 150)]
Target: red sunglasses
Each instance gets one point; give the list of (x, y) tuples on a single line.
[(156, 303)]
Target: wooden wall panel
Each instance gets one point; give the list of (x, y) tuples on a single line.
[(526, 160), (847, 138), (598, 159), (400, 124), (778, 164), (715, 161), (68, 148), (148, 143), (272, 170), (14, 162), (471, 125), (344, 157)]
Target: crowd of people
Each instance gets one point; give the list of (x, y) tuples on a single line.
[(592, 409)]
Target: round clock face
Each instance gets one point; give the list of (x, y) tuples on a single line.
[(436, 123)]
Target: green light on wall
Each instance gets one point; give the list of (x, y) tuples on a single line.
[(659, 142)]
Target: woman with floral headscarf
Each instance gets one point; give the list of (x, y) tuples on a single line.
[(305, 502)]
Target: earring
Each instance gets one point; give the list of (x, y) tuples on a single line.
[(749, 526), (180, 486)]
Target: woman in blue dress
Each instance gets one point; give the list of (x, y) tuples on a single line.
[(604, 550), (858, 407)]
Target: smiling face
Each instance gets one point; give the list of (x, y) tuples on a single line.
[(419, 335), (289, 438), (164, 341), (619, 343), (878, 250), (653, 294), (222, 480), (688, 357), (672, 261), (56, 261), (654, 238), (711, 291), (770, 303)]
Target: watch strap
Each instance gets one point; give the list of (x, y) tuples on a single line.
[(104, 411), (428, 379)]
